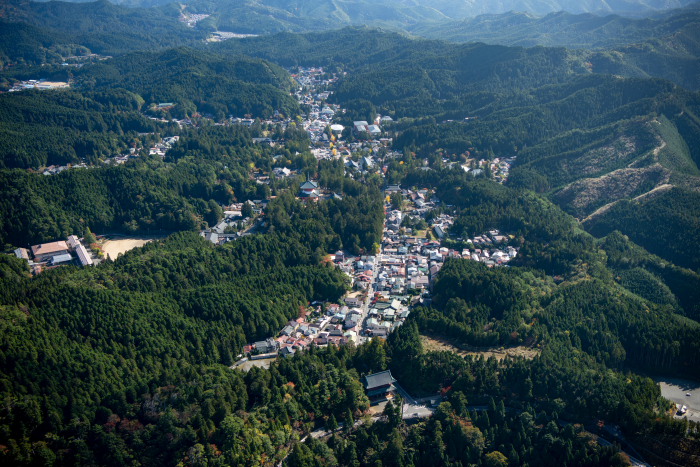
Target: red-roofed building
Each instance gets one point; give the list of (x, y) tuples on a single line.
[(45, 251)]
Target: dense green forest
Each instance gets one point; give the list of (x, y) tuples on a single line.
[(130, 356), (101, 27), (353, 222), (676, 210), (125, 366), (560, 29), (40, 129), (197, 82), (22, 44)]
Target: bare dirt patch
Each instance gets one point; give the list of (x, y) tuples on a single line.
[(116, 247), (263, 363), (438, 344)]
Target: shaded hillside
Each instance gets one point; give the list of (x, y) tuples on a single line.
[(22, 43), (560, 29), (667, 46), (674, 57), (196, 82), (99, 26), (677, 210), (40, 129)]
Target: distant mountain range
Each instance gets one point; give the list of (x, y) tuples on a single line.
[(405, 12), (587, 24), (563, 29)]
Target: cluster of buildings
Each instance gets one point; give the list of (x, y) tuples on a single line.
[(498, 167), (78, 61), (329, 327), (57, 169), (490, 248), (235, 224), (351, 322), (191, 19), (162, 147), (159, 148), (387, 307), (283, 172), (59, 253), (374, 129), (313, 94), (409, 263), (40, 84)]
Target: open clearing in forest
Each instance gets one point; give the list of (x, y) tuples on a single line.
[(437, 344), (114, 247)]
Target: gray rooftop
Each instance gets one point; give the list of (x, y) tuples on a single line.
[(377, 380)]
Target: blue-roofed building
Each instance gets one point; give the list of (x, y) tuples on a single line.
[(58, 259)]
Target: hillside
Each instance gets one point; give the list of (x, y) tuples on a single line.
[(100, 27), (664, 46), (591, 139), (103, 114), (22, 43), (196, 82), (560, 28)]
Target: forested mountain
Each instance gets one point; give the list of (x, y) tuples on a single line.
[(99, 27), (105, 117), (41, 129), (22, 43), (197, 82), (128, 362), (109, 336), (665, 46), (561, 28), (673, 58), (483, 306)]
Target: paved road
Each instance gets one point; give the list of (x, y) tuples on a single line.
[(413, 408), (635, 462)]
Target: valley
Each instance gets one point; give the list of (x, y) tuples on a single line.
[(343, 233)]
